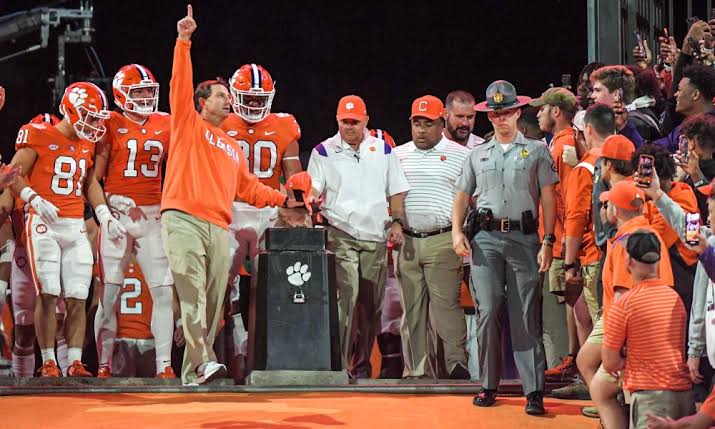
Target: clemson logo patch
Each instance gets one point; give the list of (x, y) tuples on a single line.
[(41, 228), (77, 96), (118, 79)]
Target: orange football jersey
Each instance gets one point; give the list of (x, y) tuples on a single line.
[(60, 168), (264, 143), (137, 152), (135, 306)]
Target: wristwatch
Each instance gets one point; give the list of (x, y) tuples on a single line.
[(570, 266), (701, 182), (550, 238), (398, 220)]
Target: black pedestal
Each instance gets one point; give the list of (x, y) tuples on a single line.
[(293, 323)]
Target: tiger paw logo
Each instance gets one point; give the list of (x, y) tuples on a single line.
[(41, 228), (118, 79), (298, 274), (77, 96)]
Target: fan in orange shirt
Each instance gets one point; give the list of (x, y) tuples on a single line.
[(129, 160), (685, 261), (557, 107), (625, 209), (57, 159)]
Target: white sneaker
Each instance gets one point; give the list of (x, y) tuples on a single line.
[(210, 371)]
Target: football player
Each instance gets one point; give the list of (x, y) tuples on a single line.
[(129, 160), (269, 142), (57, 160), (134, 353), (21, 285)]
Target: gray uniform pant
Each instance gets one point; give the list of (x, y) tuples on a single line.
[(505, 274)]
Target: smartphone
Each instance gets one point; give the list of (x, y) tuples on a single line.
[(666, 34), (639, 40), (566, 81), (692, 228), (646, 163), (692, 20), (683, 147)]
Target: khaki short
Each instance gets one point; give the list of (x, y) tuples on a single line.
[(557, 279), (590, 289), (663, 403), (596, 336)]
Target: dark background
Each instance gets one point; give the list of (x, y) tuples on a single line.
[(388, 52)]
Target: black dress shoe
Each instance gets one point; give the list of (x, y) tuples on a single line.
[(459, 373), (485, 398), (535, 403)]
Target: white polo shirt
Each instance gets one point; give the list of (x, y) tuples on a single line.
[(473, 141), (432, 175), (356, 185)]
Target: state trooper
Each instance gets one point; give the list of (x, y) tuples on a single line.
[(508, 175)]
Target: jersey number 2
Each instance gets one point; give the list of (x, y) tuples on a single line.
[(136, 307)]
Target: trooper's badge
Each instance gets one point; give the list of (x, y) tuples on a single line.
[(498, 97), (524, 153)]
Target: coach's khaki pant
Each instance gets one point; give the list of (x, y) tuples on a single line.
[(430, 277), (360, 268), (198, 257)]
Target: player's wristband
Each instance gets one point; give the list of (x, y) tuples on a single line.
[(27, 193), (699, 183), (570, 266)]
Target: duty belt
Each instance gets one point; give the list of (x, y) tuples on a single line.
[(505, 225)]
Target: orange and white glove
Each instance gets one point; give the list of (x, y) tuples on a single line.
[(121, 203), (110, 226), (43, 208)]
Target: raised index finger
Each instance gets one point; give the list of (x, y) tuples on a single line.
[(189, 11)]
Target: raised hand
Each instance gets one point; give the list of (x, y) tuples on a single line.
[(186, 25)]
